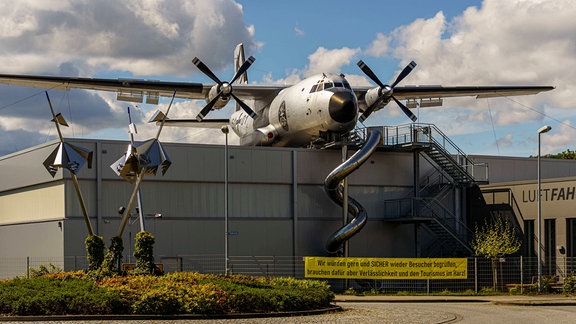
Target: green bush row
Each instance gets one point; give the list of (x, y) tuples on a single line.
[(175, 293), (50, 296), (569, 285)]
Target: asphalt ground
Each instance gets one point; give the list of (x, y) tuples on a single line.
[(516, 300), (555, 309)]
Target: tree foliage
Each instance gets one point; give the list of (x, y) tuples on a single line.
[(111, 264), (144, 253), (95, 248), (495, 239), (564, 155)]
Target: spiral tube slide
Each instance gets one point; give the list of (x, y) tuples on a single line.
[(335, 192)]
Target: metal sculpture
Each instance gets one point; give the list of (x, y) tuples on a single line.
[(141, 160), (70, 157)]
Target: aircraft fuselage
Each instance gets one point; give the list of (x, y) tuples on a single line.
[(300, 113)]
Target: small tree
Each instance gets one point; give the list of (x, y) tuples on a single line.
[(494, 240), (95, 248), (112, 259), (144, 253)]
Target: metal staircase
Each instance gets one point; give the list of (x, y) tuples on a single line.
[(452, 168), (437, 148)]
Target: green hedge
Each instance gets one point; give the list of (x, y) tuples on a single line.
[(50, 296), (175, 293)]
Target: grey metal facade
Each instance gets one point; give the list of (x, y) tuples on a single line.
[(277, 205)]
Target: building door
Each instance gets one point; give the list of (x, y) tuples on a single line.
[(550, 246), (529, 243), (570, 245)]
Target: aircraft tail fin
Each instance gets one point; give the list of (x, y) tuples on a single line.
[(239, 59)]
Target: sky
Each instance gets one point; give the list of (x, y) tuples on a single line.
[(454, 42)]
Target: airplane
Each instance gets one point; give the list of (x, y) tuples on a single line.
[(309, 111)]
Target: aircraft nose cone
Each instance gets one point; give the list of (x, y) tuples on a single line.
[(343, 107)]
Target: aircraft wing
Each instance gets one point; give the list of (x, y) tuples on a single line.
[(419, 92), (437, 91), (135, 89)]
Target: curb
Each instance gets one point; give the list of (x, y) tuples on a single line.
[(496, 300), (534, 303), (127, 317)]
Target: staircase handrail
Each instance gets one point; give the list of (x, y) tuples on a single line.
[(413, 205), (511, 199), (433, 201), (425, 133), (441, 221)]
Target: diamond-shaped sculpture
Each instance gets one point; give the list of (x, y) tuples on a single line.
[(153, 155), (127, 166), (148, 156), (67, 156)]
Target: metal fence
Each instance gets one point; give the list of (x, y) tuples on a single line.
[(499, 275)]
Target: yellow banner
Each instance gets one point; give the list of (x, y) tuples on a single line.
[(386, 268)]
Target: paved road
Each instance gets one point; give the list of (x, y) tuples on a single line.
[(398, 310)]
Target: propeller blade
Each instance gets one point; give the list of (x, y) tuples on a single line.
[(368, 111), (405, 110), (243, 68), (207, 108), (202, 67), (404, 73), (369, 73), (244, 106)]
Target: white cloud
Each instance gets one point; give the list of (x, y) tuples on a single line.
[(502, 42), (560, 138), (80, 38), (142, 37), (379, 46), (299, 31), (522, 42), (329, 61)]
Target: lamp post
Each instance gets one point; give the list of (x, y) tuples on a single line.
[(225, 130), (541, 131)]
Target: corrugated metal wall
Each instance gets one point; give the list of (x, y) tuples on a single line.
[(277, 205)]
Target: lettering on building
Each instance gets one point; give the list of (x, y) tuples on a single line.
[(549, 194)]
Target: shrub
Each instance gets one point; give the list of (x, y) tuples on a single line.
[(111, 263), (569, 284), (77, 293), (43, 270), (48, 295), (95, 251), (144, 253)]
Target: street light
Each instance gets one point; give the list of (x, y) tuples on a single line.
[(541, 131), (225, 130)]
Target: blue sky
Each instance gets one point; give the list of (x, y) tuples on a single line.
[(490, 42), (292, 30)]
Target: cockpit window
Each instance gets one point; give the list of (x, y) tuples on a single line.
[(325, 84)]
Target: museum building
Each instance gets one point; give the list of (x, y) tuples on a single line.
[(423, 198)]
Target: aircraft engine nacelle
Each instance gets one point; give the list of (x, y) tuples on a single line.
[(269, 134), (373, 94), (224, 98)]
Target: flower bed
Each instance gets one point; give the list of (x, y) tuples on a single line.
[(174, 293)]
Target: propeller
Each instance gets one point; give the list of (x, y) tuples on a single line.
[(386, 91), (224, 88)]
